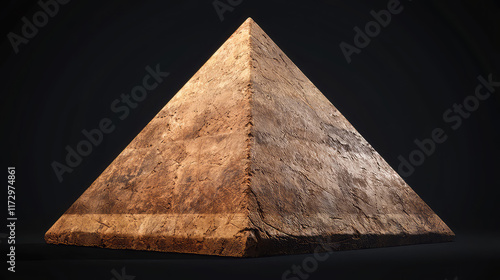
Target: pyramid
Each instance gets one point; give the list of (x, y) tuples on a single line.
[(249, 158)]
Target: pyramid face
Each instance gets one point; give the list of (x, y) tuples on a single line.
[(249, 158)]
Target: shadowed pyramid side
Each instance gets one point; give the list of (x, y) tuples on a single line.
[(314, 178)]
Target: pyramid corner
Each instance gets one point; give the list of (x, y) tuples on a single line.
[(50, 237)]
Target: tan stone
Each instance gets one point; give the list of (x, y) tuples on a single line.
[(248, 159)]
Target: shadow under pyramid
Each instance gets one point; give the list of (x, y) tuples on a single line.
[(249, 158)]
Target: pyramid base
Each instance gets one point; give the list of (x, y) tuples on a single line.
[(215, 234), (235, 248)]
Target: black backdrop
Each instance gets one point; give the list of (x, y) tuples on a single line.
[(396, 90)]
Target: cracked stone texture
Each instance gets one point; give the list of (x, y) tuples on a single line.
[(248, 159)]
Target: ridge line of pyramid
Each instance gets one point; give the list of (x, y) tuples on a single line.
[(253, 233)]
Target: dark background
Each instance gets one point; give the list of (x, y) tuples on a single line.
[(395, 91)]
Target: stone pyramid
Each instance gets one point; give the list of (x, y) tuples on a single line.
[(248, 159)]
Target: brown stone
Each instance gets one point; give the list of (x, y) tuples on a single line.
[(248, 159)]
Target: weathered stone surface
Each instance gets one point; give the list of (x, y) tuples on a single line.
[(248, 159)]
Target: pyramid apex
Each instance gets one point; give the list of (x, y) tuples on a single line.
[(249, 22)]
